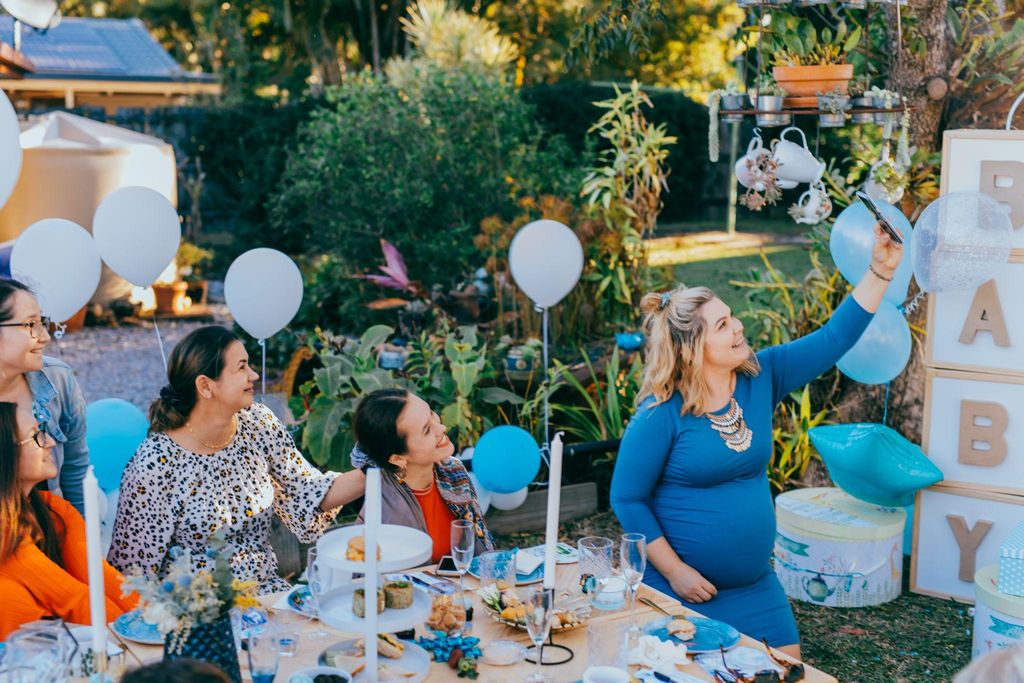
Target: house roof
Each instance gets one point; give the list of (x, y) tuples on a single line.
[(97, 49)]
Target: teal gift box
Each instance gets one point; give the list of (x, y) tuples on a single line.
[(1011, 563)]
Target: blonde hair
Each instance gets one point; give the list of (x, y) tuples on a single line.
[(1005, 666), (675, 332)]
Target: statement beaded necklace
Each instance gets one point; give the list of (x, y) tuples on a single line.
[(732, 428)]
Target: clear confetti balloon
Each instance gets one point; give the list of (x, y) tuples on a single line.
[(960, 242)]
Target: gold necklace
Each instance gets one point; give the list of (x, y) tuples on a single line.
[(234, 432), (732, 428)]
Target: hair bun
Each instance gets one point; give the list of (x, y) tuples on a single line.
[(170, 395)]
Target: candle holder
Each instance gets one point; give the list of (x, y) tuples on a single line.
[(566, 654)]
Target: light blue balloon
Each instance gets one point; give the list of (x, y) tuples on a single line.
[(874, 463), (506, 459), (882, 351), (853, 237), (114, 429)]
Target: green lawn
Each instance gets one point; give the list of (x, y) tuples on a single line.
[(718, 273)]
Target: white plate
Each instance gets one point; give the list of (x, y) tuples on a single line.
[(414, 659), (564, 553), (401, 547), (336, 611)]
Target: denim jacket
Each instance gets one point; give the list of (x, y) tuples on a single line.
[(57, 402)]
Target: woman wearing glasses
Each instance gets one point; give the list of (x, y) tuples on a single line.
[(42, 537), (43, 386), (215, 462)]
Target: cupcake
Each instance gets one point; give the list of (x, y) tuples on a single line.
[(359, 602), (398, 594)]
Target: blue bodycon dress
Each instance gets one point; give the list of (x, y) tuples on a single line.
[(676, 478)]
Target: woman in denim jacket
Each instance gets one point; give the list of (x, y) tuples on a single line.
[(44, 385)]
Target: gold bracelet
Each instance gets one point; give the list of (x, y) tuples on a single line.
[(874, 272)]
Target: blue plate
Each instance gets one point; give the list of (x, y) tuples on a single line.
[(536, 576), (301, 601), (130, 626), (709, 637)]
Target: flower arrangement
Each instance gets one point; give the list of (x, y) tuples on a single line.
[(187, 597)]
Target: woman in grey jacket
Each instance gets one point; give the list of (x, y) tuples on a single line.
[(44, 385)]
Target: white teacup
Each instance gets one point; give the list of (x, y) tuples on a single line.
[(813, 206), (605, 674), (796, 163), (748, 175)]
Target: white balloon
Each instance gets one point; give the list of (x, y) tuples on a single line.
[(58, 259), (961, 241), (483, 496), (509, 501), (10, 149), (546, 259), (263, 291), (137, 232), (35, 13)]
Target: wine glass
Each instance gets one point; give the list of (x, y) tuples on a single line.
[(317, 576), (540, 608), (264, 653), (633, 562), (463, 544)]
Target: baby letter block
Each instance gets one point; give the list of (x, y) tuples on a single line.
[(956, 533), (974, 429)]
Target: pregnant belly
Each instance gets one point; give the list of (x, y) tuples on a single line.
[(725, 532)]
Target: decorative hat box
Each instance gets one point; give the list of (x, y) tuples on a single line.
[(1011, 563), (998, 617)]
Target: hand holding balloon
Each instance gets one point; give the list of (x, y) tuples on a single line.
[(886, 253)]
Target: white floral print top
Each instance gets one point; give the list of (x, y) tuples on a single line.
[(174, 497)]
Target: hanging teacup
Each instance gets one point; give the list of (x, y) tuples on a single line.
[(796, 163), (749, 167)]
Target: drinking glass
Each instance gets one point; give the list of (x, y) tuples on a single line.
[(318, 576), (604, 589), (264, 652), (288, 628), (633, 561), (540, 608), (463, 543), (498, 568)]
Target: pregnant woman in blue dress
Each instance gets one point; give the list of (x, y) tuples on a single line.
[(691, 472)]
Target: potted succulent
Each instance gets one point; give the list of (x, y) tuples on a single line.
[(884, 99), (858, 88), (770, 98), (808, 61), (832, 107), (191, 259)]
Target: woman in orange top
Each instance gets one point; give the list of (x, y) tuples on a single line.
[(424, 487), (42, 537)]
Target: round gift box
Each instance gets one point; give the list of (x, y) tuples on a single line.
[(835, 550), (998, 617)]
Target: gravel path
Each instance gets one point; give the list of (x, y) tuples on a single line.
[(122, 362)]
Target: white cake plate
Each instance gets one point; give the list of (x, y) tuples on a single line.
[(336, 611), (414, 659), (401, 548)]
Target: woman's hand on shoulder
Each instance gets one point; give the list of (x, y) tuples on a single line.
[(688, 584)]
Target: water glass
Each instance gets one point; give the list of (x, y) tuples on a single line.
[(41, 653), (318, 577), (288, 628), (598, 580), (264, 653), (540, 608), (633, 561), (607, 644), (498, 568)]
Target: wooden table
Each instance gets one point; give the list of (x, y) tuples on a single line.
[(487, 629)]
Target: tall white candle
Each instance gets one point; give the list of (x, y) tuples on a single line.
[(94, 560), (554, 505), (371, 529)]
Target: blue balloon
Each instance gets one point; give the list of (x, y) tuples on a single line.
[(882, 351), (114, 429), (874, 463), (852, 238), (506, 459)]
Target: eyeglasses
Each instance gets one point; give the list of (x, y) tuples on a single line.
[(35, 328), (791, 672), (39, 437)]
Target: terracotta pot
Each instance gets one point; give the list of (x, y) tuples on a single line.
[(170, 297), (808, 81)]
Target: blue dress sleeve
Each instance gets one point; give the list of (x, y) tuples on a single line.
[(642, 454), (796, 363)]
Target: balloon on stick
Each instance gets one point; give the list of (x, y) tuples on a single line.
[(137, 232), (546, 260), (58, 259), (852, 239), (10, 149), (961, 241), (882, 351)]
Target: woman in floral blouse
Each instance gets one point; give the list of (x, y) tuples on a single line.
[(217, 461)]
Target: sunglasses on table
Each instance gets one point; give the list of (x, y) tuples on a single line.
[(35, 328), (790, 672)]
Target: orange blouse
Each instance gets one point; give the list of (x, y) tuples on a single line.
[(33, 586), (438, 517)]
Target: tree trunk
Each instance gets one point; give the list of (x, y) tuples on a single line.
[(911, 73)]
